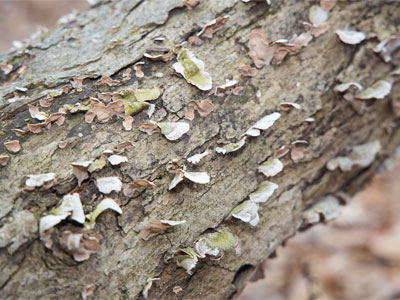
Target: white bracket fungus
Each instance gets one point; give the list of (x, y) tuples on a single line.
[(39, 180), (195, 159), (263, 192), (102, 206), (263, 124), (247, 212), (350, 37), (328, 207), (108, 184), (379, 90), (192, 69), (271, 167), (197, 177)]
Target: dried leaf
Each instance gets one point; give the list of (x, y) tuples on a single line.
[(153, 229), (13, 146), (260, 51), (192, 69), (350, 37), (247, 70), (4, 159), (108, 184), (213, 27)]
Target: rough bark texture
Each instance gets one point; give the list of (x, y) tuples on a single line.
[(124, 263)]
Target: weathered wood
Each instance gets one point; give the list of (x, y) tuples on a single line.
[(83, 48)]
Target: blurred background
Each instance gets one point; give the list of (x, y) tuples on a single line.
[(357, 256)]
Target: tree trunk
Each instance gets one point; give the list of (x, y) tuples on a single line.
[(107, 40)]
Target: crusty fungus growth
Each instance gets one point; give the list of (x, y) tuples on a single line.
[(213, 27), (351, 37), (189, 4), (173, 130), (285, 106), (247, 71), (343, 87), (13, 146), (193, 70), (105, 204)]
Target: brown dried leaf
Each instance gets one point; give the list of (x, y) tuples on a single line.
[(4, 159), (154, 228), (212, 27), (138, 69), (189, 4), (327, 5), (107, 80), (127, 123), (247, 70), (13, 146), (260, 51), (149, 128), (204, 107)]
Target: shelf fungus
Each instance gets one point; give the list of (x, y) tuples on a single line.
[(263, 192), (193, 70), (108, 184), (263, 124), (188, 260), (285, 106), (195, 159), (196, 177), (4, 159), (247, 212), (361, 155), (232, 147), (80, 170), (155, 228), (117, 159), (136, 100), (318, 17), (105, 204), (216, 244), (130, 188), (13, 146), (40, 180), (80, 245), (351, 37), (343, 87), (271, 167), (388, 48), (70, 206), (171, 130), (379, 90), (326, 209)]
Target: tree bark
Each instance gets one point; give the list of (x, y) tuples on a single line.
[(109, 38)]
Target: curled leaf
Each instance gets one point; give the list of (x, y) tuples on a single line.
[(135, 184), (192, 69), (264, 192), (187, 261)]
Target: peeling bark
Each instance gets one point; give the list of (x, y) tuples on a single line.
[(107, 40)]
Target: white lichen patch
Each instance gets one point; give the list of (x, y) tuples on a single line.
[(195, 159), (379, 90), (102, 206), (173, 130), (232, 147), (247, 212), (263, 192), (343, 87), (39, 180), (108, 184), (271, 167), (351, 37), (193, 70), (328, 207), (117, 159), (263, 124)]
